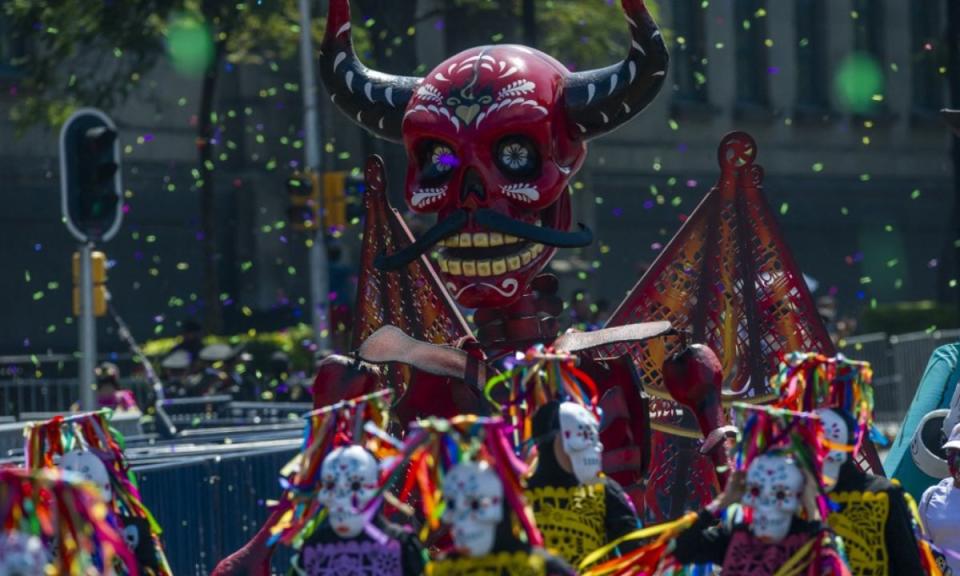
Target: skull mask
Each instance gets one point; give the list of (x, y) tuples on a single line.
[(774, 485), (493, 136), (349, 479), (22, 555), (473, 496), (837, 432), (579, 433), (91, 468)]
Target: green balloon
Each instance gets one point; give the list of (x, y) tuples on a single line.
[(858, 81), (189, 45)]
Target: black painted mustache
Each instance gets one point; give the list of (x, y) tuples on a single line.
[(540, 234), (495, 221), (449, 226)]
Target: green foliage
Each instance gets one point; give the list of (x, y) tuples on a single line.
[(581, 34), (260, 344), (93, 53), (905, 317)]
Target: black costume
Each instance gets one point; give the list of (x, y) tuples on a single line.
[(509, 556), (740, 553), (324, 553), (574, 519), (875, 524)]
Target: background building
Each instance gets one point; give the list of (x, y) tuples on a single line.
[(864, 199)]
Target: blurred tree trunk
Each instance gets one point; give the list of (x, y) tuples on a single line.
[(469, 24), (213, 317), (530, 23)]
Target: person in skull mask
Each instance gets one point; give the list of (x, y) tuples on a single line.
[(770, 532), (22, 555), (577, 509), (873, 518), (136, 531), (350, 538), (482, 529), (940, 506)]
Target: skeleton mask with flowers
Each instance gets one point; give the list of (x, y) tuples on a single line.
[(493, 136), (774, 488), (349, 479), (580, 435), (91, 468), (837, 432), (22, 555), (473, 496)]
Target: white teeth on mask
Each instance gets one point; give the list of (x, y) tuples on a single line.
[(481, 240), (496, 239), (486, 268), (466, 240), (508, 239)]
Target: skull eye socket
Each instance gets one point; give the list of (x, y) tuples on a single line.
[(437, 161), (517, 157), (755, 491)]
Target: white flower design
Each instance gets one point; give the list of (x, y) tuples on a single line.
[(442, 159), (515, 155)]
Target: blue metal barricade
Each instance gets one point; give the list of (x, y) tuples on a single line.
[(211, 506)]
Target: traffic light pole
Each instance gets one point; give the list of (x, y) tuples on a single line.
[(88, 328), (319, 269)]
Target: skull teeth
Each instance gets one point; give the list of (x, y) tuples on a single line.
[(479, 240), (489, 267)]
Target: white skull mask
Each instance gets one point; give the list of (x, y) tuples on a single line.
[(774, 486), (835, 430), (91, 468), (473, 495), (349, 479), (579, 432), (22, 555)]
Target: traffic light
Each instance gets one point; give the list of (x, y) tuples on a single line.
[(342, 198), (303, 190), (90, 175), (99, 275)]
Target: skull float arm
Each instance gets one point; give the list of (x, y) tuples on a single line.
[(694, 377)]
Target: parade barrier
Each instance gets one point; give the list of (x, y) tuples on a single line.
[(11, 433), (210, 505), (898, 362)]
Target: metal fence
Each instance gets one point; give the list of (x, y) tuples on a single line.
[(55, 394), (898, 364), (211, 506)]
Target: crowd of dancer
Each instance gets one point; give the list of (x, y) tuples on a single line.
[(493, 495)]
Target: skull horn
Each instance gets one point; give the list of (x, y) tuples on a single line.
[(372, 99), (599, 101)]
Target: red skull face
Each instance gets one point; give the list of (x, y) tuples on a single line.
[(493, 136), (486, 129)]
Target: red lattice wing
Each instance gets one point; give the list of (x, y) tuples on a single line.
[(729, 278), (413, 298)]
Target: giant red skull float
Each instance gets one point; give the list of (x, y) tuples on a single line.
[(493, 136)]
